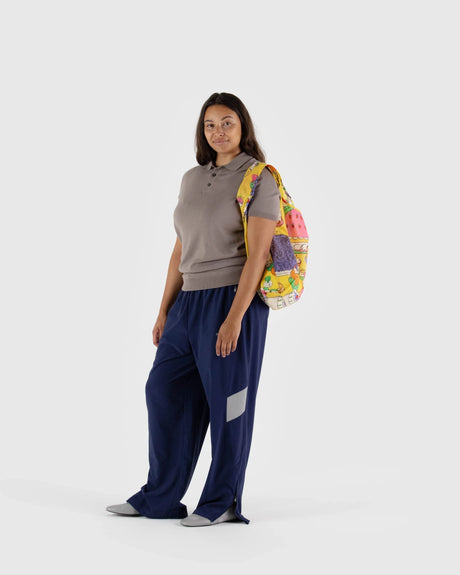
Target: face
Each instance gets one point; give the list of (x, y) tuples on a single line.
[(222, 129)]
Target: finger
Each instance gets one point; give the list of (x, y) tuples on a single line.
[(227, 348), (218, 345)]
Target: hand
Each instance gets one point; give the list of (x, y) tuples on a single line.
[(227, 337), (158, 328)]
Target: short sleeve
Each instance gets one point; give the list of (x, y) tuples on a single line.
[(175, 218), (266, 201), (178, 234)]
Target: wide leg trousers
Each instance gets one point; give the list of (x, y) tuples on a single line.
[(190, 388)]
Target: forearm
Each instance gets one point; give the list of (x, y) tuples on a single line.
[(247, 287), (173, 284)]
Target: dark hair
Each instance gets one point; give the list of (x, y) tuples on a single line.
[(248, 142)]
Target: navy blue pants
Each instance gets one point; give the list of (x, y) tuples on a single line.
[(189, 388)]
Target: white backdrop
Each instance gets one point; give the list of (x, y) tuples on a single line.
[(354, 461)]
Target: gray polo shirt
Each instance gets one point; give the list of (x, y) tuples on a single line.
[(208, 222)]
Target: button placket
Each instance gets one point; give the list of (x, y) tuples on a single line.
[(213, 174)]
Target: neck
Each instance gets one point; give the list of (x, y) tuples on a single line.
[(223, 159)]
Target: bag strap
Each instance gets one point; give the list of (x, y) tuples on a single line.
[(248, 187)]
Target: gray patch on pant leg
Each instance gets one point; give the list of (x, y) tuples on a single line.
[(236, 404)]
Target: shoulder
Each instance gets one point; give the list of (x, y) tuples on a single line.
[(267, 180), (196, 171), (265, 174), (266, 201), (267, 183)]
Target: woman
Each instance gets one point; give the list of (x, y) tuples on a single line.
[(211, 327)]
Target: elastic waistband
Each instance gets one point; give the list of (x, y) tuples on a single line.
[(231, 287)]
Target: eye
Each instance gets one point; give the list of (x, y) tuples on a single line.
[(209, 126)]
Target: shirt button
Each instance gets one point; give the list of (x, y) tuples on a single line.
[(209, 184), (214, 175)]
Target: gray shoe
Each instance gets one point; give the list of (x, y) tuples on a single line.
[(195, 520), (123, 509)]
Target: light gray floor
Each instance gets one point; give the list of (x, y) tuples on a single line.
[(359, 525)]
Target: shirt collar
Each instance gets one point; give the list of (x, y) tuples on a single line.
[(234, 165)]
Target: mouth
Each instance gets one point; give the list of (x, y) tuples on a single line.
[(220, 141)]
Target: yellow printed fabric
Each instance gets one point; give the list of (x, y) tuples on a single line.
[(282, 282)]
